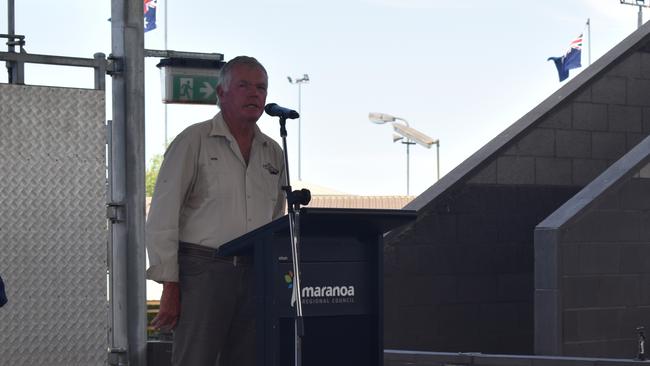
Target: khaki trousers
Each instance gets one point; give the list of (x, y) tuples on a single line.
[(216, 324)]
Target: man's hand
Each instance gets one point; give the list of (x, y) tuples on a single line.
[(170, 307)]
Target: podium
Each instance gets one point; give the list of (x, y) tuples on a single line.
[(342, 285)]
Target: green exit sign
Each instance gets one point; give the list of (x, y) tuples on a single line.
[(197, 89), (188, 80)]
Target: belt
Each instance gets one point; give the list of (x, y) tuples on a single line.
[(211, 253)]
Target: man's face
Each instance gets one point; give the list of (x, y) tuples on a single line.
[(245, 96)]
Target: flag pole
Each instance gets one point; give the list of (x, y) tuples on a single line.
[(589, 38)]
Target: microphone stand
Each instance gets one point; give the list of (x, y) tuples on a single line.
[(294, 200)]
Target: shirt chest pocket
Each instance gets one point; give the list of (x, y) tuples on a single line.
[(271, 195), (217, 179), (272, 185), (264, 179)]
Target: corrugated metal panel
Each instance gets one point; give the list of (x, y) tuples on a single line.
[(345, 201), (52, 228)]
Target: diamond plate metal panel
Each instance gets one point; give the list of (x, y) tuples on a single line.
[(52, 227)]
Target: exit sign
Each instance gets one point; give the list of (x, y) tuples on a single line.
[(197, 89), (189, 81)]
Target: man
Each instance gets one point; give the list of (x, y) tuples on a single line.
[(220, 179)]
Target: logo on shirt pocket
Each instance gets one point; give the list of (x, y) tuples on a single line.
[(273, 170)]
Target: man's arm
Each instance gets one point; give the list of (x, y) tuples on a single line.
[(172, 186), (175, 178), (170, 307)]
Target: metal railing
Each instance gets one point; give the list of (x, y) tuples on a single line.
[(16, 61)]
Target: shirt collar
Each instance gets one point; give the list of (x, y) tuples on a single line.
[(220, 128)]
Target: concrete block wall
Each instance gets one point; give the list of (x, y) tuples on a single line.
[(460, 279), (604, 274)]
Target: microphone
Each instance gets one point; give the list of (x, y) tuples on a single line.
[(275, 110)]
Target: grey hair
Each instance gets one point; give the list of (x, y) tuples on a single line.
[(225, 74)]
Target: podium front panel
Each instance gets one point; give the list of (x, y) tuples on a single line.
[(332, 340), (341, 282), (326, 249)]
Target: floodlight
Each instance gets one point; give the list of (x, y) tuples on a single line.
[(414, 135), (380, 118), (641, 4), (408, 136)]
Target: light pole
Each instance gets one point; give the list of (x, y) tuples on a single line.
[(300, 81), (641, 4), (410, 136)]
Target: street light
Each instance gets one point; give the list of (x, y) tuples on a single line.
[(641, 4), (409, 136), (300, 81)]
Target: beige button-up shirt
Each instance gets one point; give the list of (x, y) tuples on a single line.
[(206, 193)]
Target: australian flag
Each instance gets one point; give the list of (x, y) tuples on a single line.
[(570, 60), (150, 14)]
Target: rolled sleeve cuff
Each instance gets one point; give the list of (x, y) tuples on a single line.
[(163, 272)]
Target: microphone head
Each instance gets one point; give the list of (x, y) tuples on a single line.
[(269, 108), (275, 110)]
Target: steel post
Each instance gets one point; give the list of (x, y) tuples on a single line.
[(128, 120)]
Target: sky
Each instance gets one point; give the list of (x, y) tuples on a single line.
[(460, 72)]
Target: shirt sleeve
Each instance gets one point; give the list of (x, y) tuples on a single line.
[(175, 179)]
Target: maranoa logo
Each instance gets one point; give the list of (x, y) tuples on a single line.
[(320, 291), (327, 291)]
